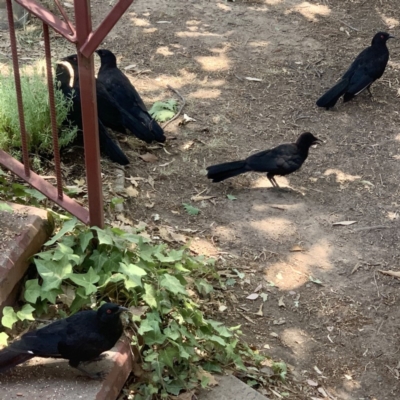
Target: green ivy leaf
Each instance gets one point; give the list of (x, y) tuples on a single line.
[(84, 239), (3, 339), (203, 287), (170, 283), (168, 355), (150, 331), (68, 227), (53, 273), (163, 111), (26, 313), (86, 280), (113, 260), (231, 197), (99, 259), (32, 290), (149, 295), (50, 295), (190, 209), (9, 317), (134, 274), (80, 300), (174, 387)]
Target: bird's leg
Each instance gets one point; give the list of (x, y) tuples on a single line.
[(272, 180), (95, 375)]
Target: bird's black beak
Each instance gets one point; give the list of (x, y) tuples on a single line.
[(122, 309), (391, 37), (96, 51)]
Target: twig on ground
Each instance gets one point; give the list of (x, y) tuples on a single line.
[(180, 109), (370, 228), (349, 26)]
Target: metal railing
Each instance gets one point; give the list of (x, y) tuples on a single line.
[(86, 41)]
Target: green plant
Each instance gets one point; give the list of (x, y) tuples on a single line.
[(191, 210), (17, 193), (176, 344), (36, 112), (162, 111)]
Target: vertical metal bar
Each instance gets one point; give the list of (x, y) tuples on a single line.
[(17, 78), (52, 103), (87, 86), (105, 26)]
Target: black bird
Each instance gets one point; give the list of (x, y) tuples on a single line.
[(111, 113), (78, 338), (369, 66), (69, 84), (120, 87), (281, 160)]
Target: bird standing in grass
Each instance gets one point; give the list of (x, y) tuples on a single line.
[(369, 66), (281, 160), (121, 88), (78, 338)]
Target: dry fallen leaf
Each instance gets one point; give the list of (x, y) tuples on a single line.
[(131, 191), (395, 274), (344, 223), (148, 157), (204, 374), (252, 296), (249, 78), (121, 217), (201, 198), (281, 303), (129, 67), (222, 308), (258, 288), (296, 248), (312, 383), (260, 311), (188, 145), (186, 396), (186, 119), (164, 233), (178, 237)]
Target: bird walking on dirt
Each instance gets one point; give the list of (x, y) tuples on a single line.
[(79, 338), (281, 160), (369, 66), (121, 88)]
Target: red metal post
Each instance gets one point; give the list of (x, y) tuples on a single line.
[(17, 78), (49, 18), (44, 187), (87, 84), (52, 103), (105, 27)]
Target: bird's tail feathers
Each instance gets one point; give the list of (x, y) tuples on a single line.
[(137, 128), (9, 359), (220, 172), (330, 98), (110, 148)]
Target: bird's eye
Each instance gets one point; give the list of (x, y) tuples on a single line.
[(109, 311), (382, 37)]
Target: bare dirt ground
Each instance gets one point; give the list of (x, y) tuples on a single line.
[(330, 313)]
